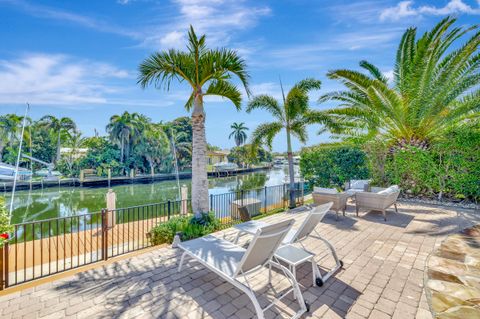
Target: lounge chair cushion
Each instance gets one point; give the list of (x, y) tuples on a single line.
[(216, 252), (325, 190), (390, 190)]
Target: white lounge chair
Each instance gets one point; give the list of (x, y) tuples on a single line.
[(308, 226), (234, 263)]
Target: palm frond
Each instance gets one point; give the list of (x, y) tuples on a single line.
[(226, 90), (265, 133), (267, 103)]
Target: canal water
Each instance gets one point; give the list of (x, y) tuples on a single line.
[(68, 201)]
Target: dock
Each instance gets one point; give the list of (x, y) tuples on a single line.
[(119, 180)]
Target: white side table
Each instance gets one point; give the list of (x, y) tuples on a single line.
[(294, 256)]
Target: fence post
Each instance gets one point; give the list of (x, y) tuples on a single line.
[(104, 234), (4, 266), (168, 210), (211, 203), (283, 195), (184, 198), (265, 200), (303, 191)]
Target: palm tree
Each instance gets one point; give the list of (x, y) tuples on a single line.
[(123, 130), (153, 145), (238, 133), (435, 88), (207, 72), (293, 116), (59, 127), (10, 125), (183, 147), (75, 141)]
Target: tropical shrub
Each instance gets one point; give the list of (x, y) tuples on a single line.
[(435, 88), (189, 227), (331, 165), (459, 160), (414, 170), (5, 227)]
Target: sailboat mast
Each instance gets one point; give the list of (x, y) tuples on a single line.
[(18, 163)]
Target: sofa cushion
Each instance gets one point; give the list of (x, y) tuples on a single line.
[(358, 183), (325, 190), (390, 190)]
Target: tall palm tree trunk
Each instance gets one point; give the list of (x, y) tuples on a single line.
[(199, 164), (58, 147), (291, 172), (122, 147)]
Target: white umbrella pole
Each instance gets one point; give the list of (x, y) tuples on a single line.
[(18, 163)]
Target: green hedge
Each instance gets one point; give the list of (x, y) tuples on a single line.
[(331, 165), (447, 169), (450, 168)]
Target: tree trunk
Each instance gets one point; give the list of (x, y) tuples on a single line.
[(122, 145), (291, 172), (58, 147), (199, 164)]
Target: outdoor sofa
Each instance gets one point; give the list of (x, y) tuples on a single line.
[(380, 199), (357, 185)]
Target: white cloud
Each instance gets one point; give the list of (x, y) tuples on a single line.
[(45, 12), (389, 75), (322, 53), (56, 80), (405, 9), (216, 18)]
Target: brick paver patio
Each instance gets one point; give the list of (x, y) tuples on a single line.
[(382, 277)]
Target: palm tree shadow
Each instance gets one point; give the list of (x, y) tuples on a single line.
[(344, 222), (395, 219), (124, 286)]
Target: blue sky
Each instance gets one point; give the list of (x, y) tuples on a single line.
[(80, 58)]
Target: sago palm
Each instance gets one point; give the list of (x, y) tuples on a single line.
[(238, 133), (59, 128), (435, 88), (207, 72), (293, 115)]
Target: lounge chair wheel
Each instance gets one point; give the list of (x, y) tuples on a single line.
[(341, 263), (308, 306), (319, 282)]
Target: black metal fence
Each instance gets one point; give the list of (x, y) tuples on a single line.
[(45, 247)]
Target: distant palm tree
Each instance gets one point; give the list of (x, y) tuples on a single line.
[(238, 133), (123, 129), (153, 144), (59, 127), (435, 87), (10, 125), (208, 72), (293, 116), (74, 141)]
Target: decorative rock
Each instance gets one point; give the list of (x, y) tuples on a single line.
[(453, 276)]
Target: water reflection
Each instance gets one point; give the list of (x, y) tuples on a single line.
[(69, 201)]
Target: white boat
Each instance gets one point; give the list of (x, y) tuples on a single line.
[(7, 173), (225, 166)]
